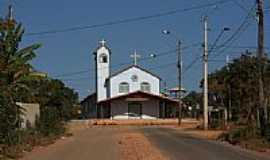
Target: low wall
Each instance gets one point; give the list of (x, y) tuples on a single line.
[(141, 122), (31, 111), (76, 125)]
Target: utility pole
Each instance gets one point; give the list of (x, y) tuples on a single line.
[(205, 86), (179, 67), (179, 74), (229, 90), (10, 13), (261, 55)]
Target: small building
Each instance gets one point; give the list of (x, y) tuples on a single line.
[(89, 106), (132, 92), (175, 92), (31, 113)]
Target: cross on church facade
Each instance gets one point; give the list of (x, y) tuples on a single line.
[(135, 57), (102, 42)]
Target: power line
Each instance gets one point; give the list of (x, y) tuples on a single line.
[(126, 63), (239, 47), (230, 42), (159, 67), (243, 26), (191, 64), (244, 8), (128, 20), (226, 44)]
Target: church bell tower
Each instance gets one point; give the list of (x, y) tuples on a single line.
[(102, 59)]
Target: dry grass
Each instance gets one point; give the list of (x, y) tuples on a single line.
[(78, 125), (135, 146), (210, 134), (193, 129)]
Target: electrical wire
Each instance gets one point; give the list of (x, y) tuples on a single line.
[(226, 44), (159, 67), (126, 63), (243, 26), (128, 20)]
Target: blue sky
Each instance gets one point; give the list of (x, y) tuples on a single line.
[(72, 51)]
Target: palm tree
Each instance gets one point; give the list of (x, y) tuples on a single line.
[(14, 69)]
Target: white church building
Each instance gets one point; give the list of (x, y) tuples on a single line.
[(131, 93)]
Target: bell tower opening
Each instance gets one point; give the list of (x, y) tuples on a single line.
[(103, 58)]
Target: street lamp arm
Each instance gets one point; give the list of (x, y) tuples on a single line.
[(218, 38)]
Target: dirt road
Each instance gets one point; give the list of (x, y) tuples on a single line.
[(138, 143), (89, 144)]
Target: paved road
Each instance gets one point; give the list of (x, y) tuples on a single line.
[(181, 147), (89, 144)]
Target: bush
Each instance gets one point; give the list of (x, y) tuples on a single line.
[(50, 123), (9, 121), (237, 135)]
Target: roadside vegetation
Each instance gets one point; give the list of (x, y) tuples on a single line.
[(19, 83), (236, 88)]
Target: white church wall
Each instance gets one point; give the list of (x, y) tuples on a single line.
[(150, 109), (126, 76), (119, 107), (103, 72)]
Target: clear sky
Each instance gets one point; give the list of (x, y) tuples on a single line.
[(70, 52)]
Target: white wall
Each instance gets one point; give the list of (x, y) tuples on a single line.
[(134, 86), (119, 107), (149, 108), (103, 71), (31, 111)]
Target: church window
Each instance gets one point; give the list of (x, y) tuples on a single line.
[(103, 58), (145, 87), (123, 87), (134, 78)]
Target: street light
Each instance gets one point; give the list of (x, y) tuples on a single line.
[(225, 29), (179, 67), (168, 32)]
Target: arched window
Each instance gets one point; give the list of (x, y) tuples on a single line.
[(123, 87), (103, 58), (145, 86)]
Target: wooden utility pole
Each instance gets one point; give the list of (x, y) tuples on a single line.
[(261, 59), (205, 86), (179, 67)]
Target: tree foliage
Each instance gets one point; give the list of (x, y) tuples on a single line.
[(14, 67), (238, 82), (18, 84), (193, 99)]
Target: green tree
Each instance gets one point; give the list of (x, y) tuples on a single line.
[(57, 103), (14, 68), (238, 82)]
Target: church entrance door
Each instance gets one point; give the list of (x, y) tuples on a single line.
[(134, 110)]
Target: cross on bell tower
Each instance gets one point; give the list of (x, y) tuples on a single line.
[(102, 42), (135, 57)]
